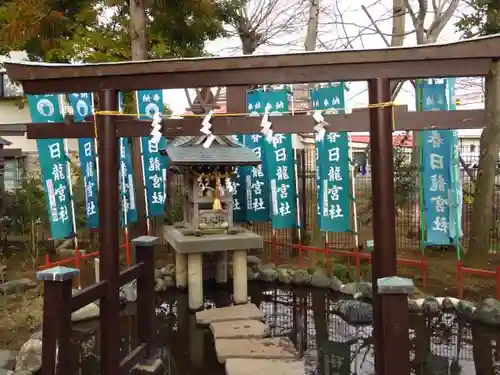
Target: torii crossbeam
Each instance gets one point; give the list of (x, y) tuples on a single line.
[(377, 66)]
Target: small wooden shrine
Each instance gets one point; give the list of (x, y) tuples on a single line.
[(208, 226), (209, 181)]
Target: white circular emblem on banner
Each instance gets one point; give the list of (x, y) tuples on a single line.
[(151, 109), (82, 108), (45, 107)]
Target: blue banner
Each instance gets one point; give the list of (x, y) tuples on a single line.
[(280, 165), (53, 166), (332, 169), (83, 105), (127, 191), (256, 181), (238, 181), (442, 202), (154, 164)]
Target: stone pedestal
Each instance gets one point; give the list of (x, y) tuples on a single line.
[(240, 278), (181, 274), (189, 250), (221, 268), (195, 281)]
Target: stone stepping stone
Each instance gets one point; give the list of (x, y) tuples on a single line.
[(239, 329), (222, 314), (267, 348), (240, 366)]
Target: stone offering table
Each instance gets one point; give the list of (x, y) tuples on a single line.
[(189, 251)]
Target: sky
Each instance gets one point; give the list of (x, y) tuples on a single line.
[(343, 22)]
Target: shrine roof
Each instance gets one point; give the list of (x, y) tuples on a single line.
[(224, 150)]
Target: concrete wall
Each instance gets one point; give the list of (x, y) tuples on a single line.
[(10, 113)]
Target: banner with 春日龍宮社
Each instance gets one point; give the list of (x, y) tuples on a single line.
[(150, 102), (53, 166), (83, 105)]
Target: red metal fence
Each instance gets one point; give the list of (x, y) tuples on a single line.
[(296, 246)]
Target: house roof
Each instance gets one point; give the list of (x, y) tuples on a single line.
[(183, 151), (396, 140)]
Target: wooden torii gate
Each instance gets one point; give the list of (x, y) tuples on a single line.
[(377, 66)]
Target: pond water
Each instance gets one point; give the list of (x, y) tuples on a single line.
[(439, 345)]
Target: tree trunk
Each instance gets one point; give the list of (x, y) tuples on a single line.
[(139, 45), (138, 36), (312, 26), (317, 238), (482, 207)]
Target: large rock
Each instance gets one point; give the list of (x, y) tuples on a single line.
[(255, 264), (349, 289), (431, 306), (168, 270), (252, 259), (268, 273), (465, 309), (366, 290), (29, 357), (414, 306), (158, 274), (90, 311), (17, 286), (160, 285), (128, 292), (284, 275), (488, 312), (335, 283), (354, 312), (320, 279), (301, 277), (251, 275), (448, 304), (169, 281)]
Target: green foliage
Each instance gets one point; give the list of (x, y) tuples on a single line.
[(483, 18), (404, 173), (27, 214), (98, 30), (26, 205), (26, 208), (343, 271), (44, 28), (78, 199)]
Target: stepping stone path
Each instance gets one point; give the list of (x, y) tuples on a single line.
[(239, 329), (241, 342)]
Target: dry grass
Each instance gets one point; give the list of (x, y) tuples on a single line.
[(21, 316)]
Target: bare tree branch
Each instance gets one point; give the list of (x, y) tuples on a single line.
[(379, 32)]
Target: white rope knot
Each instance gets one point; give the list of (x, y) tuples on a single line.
[(156, 126), (266, 124), (206, 127), (319, 128)]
